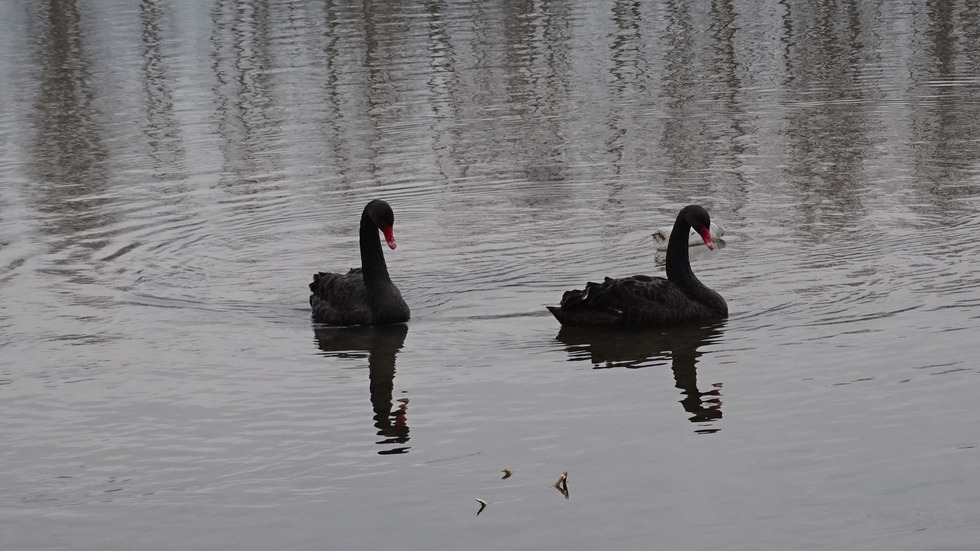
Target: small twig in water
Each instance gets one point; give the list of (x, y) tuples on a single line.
[(562, 484)]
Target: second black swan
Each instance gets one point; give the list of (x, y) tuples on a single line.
[(645, 301), (365, 295)]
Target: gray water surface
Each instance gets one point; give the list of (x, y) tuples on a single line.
[(173, 173)]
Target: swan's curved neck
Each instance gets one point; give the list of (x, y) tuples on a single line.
[(678, 258), (679, 269), (373, 265)]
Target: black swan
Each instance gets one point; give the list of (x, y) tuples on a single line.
[(645, 301), (365, 295)]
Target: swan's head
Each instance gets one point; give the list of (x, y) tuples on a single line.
[(698, 218), (383, 217)]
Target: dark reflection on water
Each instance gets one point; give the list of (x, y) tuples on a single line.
[(161, 128), (67, 150), (944, 108), (637, 348), (381, 343), (246, 113), (829, 125)]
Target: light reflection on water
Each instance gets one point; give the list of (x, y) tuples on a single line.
[(174, 172)]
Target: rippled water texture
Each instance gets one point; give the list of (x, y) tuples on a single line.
[(174, 171)]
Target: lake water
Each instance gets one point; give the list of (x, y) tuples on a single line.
[(173, 173)]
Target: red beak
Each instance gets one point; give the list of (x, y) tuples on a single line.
[(389, 236), (706, 236)]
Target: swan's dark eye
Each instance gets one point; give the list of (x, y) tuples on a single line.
[(387, 219)]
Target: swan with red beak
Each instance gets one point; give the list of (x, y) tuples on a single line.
[(365, 295), (644, 301)]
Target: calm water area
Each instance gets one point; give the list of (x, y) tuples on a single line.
[(172, 173)]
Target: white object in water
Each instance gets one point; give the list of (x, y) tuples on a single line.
[(661, 236)]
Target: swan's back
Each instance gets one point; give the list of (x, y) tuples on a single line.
[(631, 301), (340, 299)]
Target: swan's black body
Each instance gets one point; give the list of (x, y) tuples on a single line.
[(645, 301), (365, 295)]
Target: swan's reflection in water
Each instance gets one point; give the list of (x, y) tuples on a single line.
[(635, 348), (381, 343)]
